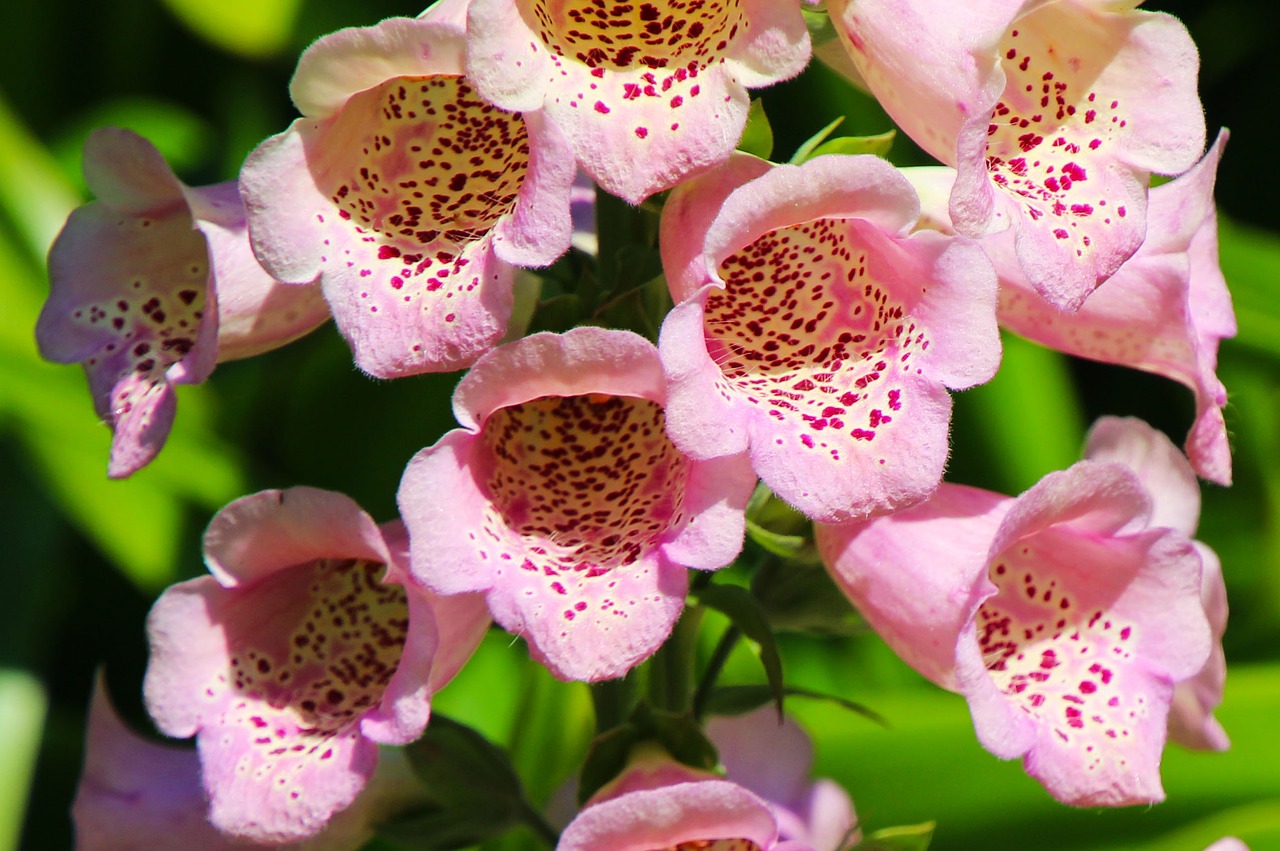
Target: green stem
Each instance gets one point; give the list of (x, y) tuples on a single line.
[(613, 701), (671, 669), (719, 656)]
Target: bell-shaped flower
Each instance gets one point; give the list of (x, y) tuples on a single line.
[(1054, 115), (562, 499), (657, 803), (773, 759), (153, 284), (1175, 503), (647, 93), (814, 330), (137, 795), (1164, 312), (1063, 616), (305, 650), (407, 195)]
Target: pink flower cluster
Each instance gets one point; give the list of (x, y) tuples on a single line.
[(822, 313)]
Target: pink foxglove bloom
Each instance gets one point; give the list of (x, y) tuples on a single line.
[(305, 650), (1175, 503), (1164, 312), (407, 195), (151, 286), (815, 331), (562, 499), (1054, 114), (659, 804), (1063, 615), (773, 761), (647, 93), (137, 795)]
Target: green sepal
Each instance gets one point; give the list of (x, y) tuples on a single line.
[(757, 136), (748, 615), (908, 837)]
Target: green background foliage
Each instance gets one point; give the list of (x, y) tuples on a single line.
[(85, 557)]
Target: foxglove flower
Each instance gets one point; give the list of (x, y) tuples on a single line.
[(1164, 312), (647, 93), (1063, 616), (136, 795), (773, 760), (151, 286), (304, 650), (562, 499), (658, 803), (407, 196), (1054, 115), (814, 331), (1175, 503)]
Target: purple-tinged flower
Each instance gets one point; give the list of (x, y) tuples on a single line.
[(773, 760), (407, 195), (305, 650), (659, 804), (1175, 503), (647, 93), (1063, 616), (1164, 312), (137, 795), (562, 499), (815, 331), (1054, 114), (151, 286)]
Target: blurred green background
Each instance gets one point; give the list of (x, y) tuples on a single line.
[(206, 80)]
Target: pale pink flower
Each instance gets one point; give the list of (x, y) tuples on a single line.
[(813, 330), (305, 650), (773, 760), (562, 499), (1064, 616), (138, 795), (1164, 312), (153, 284), (659, 804), (1175, 503), (647, 93), (407, 195), (1054, 114)]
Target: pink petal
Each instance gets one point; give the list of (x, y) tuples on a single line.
[(825, 376), (657, 99)]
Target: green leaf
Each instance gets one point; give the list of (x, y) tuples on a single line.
[(1250, 261), (22, 713), (878, 145), (683, 738), (800, 596), (757, 136), (736, 700), (748, 615), (784, 546), (913, 837), (459, 767), (34, 194), (252, 28), (441, 829), (606, 758), (807, 147)]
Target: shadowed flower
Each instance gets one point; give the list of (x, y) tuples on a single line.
[(659, 804), (407, 195), (151, 286), (1054, 114), (812, 330), (1064, 616), (647, 93), (773, 760), (301, 653), (562, 499), (137, 795)]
